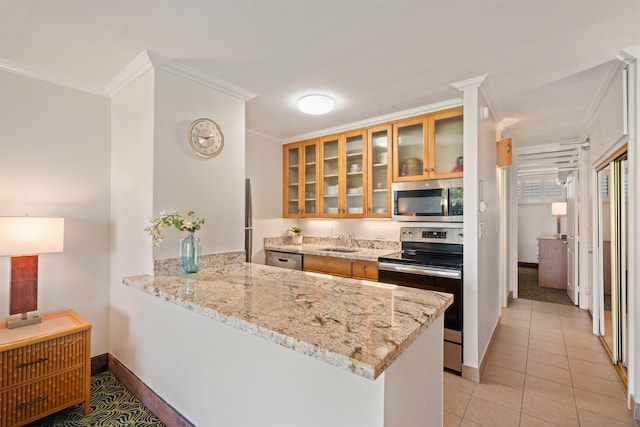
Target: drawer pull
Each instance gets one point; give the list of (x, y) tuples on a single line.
[(33, 362), (25, 404)]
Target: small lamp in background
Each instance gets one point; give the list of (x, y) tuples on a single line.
[(23, 238), (559, 209)]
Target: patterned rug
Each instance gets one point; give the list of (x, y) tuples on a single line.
[(111, 405), (528, 288)]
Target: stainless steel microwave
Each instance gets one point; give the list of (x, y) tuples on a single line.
[(433, 200)]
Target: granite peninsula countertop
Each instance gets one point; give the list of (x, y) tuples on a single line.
[(352, 324)]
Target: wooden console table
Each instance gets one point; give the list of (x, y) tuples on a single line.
[(552, 263), (44, 367)]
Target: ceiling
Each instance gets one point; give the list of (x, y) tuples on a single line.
[(545, 60)]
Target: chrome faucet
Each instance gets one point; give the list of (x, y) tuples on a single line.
[(348, 238)]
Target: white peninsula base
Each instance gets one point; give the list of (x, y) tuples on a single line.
[(247, 381)]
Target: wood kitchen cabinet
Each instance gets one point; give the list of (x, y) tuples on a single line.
[(367, 270), (429, 146), (343, 175), (300, 180), (44, 368), (379, 172), (349, 175), (344, 267), (552, 263)]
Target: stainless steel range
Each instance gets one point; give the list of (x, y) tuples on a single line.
[(431, 258)]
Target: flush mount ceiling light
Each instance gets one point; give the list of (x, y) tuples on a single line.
[(316, 104)]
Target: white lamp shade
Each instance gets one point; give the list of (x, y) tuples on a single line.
[(30, 235), (316, 104), (559, 208)]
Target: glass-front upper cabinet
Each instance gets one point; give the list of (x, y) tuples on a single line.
[(379, 172), (300, 179), (429, 147), (330, 176), (447, 148), (355, 165), (410, 149), (343, 175)]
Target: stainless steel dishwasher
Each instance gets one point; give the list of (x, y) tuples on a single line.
[(284, 260)]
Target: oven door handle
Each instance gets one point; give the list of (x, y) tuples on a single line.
[(423, 271)]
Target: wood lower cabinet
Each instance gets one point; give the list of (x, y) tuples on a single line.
[(552, 263), (367, 270), (44, 368), (344, 267)]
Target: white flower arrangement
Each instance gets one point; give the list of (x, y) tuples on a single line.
[(186, 222)]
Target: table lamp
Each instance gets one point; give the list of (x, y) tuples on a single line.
[(558, 209), (23, 238)]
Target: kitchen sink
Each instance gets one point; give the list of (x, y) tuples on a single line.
[(341, 250)]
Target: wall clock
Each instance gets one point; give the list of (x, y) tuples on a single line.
[(206, 138)]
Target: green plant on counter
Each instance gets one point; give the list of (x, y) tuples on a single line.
[(296, 230)]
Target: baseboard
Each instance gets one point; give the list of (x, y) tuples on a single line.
[(528, 264), (156, 404), (99, 364), (470, 373)]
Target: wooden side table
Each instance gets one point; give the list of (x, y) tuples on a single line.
[(552, 263), (44, 368)]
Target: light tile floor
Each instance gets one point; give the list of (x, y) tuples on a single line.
[(545, 368)]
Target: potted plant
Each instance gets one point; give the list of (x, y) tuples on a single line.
[(297, 236)]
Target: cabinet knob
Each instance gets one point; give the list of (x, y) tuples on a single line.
[(364, 266)]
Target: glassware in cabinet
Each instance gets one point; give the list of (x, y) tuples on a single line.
[(354, 173), (330, 176), (300, 179), (292, 157), (310, 179), (379, 172)]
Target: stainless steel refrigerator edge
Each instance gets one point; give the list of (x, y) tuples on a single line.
[(248, 220)]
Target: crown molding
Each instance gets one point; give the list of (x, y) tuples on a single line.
[(15, 68), (482, 85), (262, 137), (141, 64), (148, 59), (617, 65), (473, 82), (431, 108)]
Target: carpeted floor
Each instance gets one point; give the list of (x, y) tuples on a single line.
[(111, 405), (528, 288)]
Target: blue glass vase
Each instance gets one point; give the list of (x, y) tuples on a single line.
[(191, 252)]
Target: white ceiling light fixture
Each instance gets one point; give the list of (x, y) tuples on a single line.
[(316, 104)]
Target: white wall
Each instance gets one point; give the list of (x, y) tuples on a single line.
[(263, 165), (488, 231), (184, 181), (535, 220), (54, 161), (153, 169), (131, 206)]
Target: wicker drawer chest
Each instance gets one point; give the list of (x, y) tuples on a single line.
[(44, 367)]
